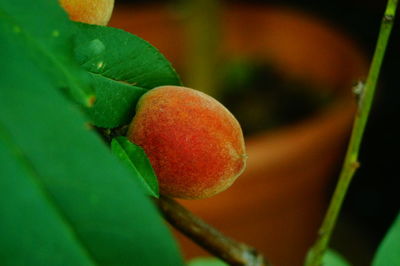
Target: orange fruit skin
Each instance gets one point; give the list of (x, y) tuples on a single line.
[(89, 11), (194, 143)]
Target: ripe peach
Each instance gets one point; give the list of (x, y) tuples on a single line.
[(194, 143), (89, 11)]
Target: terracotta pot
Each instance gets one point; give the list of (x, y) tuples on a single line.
[(278, 203)]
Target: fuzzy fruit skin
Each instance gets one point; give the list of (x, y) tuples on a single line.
[(194, 143), (89, 11)]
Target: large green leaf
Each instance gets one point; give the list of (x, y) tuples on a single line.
[(47, 32), (136, 160), (33, 231), (206, 261), (64, 199), (122, 65), (389, 250), (333, 258)]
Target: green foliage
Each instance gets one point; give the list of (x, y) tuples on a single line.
[(388, 252), (206, 261), (115, 102), (122, 67), (135, 158), (64, 199), (46, 39), (332, 258)]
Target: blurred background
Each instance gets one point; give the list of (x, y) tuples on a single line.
[(321, 48)]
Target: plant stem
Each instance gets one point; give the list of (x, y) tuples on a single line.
[(351, 163), (232, 252), (202, 44)]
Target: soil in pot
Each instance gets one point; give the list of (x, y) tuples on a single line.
[(262, 98)]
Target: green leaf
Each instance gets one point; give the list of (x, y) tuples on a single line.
[(206, 261), (26, 213), (136, 159), (333, 258), (64, 198), (47, 39), (122, 65), (388, 252), (115, 104)]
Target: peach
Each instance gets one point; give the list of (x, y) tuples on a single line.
[(194, 143), (89, 11)]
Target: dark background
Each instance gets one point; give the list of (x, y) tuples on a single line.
[(372, 202)]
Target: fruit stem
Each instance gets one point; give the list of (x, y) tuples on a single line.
[(232, 252), (350, 165)]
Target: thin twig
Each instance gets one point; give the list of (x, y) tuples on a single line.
[(351, 163), (209, 238)]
